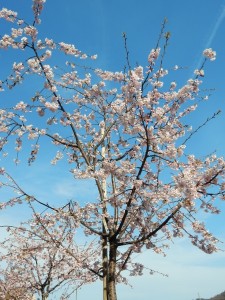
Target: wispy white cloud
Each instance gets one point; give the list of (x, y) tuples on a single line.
[(75, 189)]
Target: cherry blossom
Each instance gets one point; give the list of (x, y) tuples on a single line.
[(209, 53)]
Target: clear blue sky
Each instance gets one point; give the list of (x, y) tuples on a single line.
[(96, 26)]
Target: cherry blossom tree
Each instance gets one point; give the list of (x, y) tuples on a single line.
[(12, 286), (126, 131), (37, 262)]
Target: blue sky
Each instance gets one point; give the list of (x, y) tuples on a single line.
[(96, 26)]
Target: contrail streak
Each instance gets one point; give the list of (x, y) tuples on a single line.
[(212, 34), (216, 27)]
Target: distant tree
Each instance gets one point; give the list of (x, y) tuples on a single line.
[(126, 131), (41, 261), (11, 287)]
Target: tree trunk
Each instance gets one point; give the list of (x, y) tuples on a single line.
[(112, 272), (44, 296), (104, 238), (105, 267)]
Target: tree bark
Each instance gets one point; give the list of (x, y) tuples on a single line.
[(44, 296), (105, 267), (112, 272)]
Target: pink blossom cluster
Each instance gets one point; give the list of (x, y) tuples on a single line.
[(18, 67), (16, 32), (31, 31), (154, 54), (8, 14), (209, 53), (199, 73), (21, 106), (37, 7), (69, 49), (6, 41)]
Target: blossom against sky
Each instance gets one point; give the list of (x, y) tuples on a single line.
[(96, 27)]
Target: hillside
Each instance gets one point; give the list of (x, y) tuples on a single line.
[(217, 297)]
